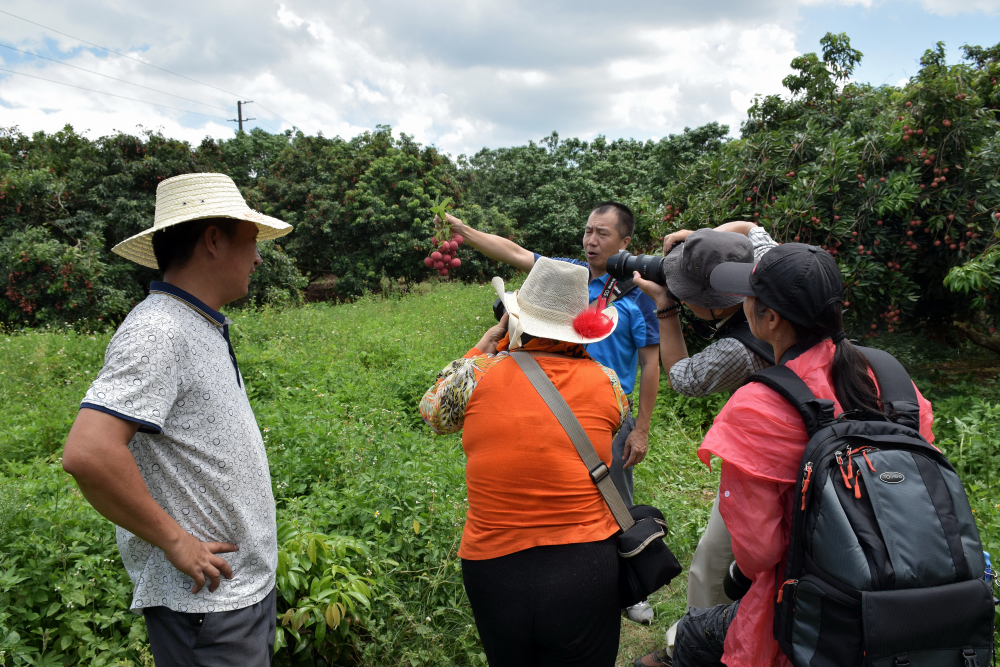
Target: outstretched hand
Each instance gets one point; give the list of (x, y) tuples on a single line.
[(457, 226), (199, 561), (488, 343)]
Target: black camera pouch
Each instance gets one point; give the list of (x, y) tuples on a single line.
[(645, 562)]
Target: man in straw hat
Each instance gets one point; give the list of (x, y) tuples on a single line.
[(166, 445), (634, 343), (539, 553)]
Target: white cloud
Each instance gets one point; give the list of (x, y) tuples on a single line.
[(843, 3), (459, 75), (706, 73), (954, 7)]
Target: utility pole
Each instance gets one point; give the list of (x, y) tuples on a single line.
[(239, 113)]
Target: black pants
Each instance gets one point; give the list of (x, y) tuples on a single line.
[(550, 605), (239, 638), (701, 634)]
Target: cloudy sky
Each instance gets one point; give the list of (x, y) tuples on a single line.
[(460, 75)]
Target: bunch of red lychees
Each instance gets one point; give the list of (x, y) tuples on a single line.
[(444, 256), (444, 246)]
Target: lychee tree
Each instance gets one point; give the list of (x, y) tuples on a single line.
[(898, 183)]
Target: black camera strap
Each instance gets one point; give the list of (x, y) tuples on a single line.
[(613, 290)]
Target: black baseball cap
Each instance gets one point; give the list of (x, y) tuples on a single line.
[(796, 280)]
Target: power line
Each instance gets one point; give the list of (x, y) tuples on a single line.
[(275, 115), (106, 76), (117, 53), (101, 92), (142, 62)]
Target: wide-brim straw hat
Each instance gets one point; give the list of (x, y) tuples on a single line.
[(196, 197), (553, 295)]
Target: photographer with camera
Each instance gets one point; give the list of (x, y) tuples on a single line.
[(634, 342), (795, 303), (679, 282)]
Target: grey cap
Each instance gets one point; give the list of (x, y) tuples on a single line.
[(688, 268)]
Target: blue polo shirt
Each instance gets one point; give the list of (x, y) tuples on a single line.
[(637, 327)]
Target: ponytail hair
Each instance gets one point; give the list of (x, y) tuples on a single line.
[(852, 381)]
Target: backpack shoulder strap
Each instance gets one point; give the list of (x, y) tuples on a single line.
[(741, 332), (899, 398), (816, 412)]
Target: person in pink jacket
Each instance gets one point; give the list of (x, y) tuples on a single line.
[(795, 302)]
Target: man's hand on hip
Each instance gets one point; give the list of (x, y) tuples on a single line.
[(636, 446), (199, 561)]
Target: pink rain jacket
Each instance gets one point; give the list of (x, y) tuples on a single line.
[(760, 438)]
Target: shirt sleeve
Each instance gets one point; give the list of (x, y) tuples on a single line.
[(650, 334), (620, 397), (754, 512), (722, 366), (571, 260), (761, 242), (140, 379), (443, 405), (926, 416)]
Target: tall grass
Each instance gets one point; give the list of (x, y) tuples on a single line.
[(335, 390)]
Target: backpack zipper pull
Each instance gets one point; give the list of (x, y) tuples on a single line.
[(805, 484), (850, 465), (840, 465), (865, 454), (781, 591), (857, 488)]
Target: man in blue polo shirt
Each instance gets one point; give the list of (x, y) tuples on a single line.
[(634, 343)]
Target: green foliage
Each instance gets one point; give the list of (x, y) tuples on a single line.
[(819, 79), (549, 188), (900, 184), (49, 282), (370, 503), (63, 598), (978, 277), (319, 593), (66, 200), (360, 207), (277, 281)]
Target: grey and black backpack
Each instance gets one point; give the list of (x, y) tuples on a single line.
[(885, 566)]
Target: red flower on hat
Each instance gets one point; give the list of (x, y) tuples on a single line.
[(592, 323)]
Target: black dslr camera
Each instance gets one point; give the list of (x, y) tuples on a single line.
[(736, 584), (499, 309), (650, 267)]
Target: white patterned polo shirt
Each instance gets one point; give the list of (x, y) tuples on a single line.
[(171, 368)]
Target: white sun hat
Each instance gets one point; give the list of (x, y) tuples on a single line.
[(553, 303), (196, 197)]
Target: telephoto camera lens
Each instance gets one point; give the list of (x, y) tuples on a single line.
[(736, 584), (499, 309), (622, 265)]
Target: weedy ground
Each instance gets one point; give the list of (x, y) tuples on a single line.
[(370, 502)]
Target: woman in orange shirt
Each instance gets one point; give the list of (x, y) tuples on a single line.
[(539, 558)]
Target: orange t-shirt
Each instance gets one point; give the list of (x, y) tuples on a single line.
[(527, 485)]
